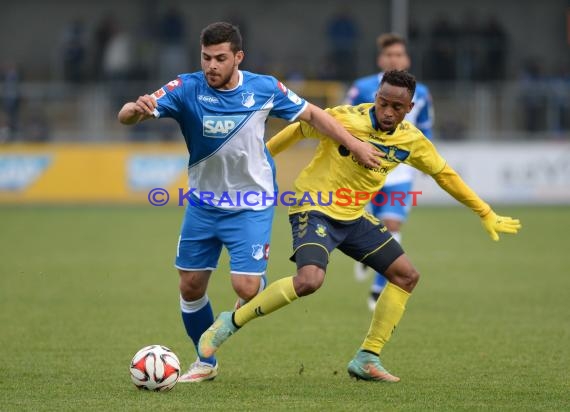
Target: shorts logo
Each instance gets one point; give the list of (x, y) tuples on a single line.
[(257, 252), (219, 127), (247, 99), (321, 230)]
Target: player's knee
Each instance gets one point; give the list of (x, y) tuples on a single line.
[(308, 280), (192, 285), (246, 287), (409, 279)]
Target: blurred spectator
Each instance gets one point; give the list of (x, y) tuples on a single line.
[(559, 93), (11, 99), (495, 41), (469, 48), (533, 96), (106, 29), (441, 56), (173, 58), (342, 34), (37, 128), (469, 52), (117, 64), (117, 57), (73, 52), (416, 44)]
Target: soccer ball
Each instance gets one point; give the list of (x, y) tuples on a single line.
[(155, 368)]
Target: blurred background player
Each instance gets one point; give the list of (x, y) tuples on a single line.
[(222, 113), (392, 55)]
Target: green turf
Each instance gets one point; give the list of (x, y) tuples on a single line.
[(82, 289)]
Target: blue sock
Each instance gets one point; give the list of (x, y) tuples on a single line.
[(379, 283), (197, 317)]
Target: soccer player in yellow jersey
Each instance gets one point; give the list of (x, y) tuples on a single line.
[(319, 225)]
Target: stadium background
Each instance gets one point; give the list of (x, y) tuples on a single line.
[(84, 257)]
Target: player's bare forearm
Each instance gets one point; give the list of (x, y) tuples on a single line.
[(328, 125), (285, 139), (135, 112), (128, 114)]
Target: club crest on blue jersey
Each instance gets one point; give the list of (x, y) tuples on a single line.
[(219, 127), (257, 252), (247, 99)]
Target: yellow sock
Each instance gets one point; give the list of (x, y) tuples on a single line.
[(275, 296), (387, 314)]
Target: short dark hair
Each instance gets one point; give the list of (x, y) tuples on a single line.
[(400, 78), (221, 32), (389, 39)]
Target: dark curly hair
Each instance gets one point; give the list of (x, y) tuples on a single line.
[(222, 32), (400, 78)]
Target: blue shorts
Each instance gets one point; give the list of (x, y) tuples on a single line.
[(244, 233), (392, 207)]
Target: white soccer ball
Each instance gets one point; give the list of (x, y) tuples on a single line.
[(155, 368)]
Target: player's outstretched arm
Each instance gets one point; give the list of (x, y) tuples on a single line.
[(135, 112), (452, 183), (285, 139), (364, 152)]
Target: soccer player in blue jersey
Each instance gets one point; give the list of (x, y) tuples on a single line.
[(222, 111), (392, 55)]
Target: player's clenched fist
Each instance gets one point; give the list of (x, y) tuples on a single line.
[(145, 105), (366, 154), (134, 112)]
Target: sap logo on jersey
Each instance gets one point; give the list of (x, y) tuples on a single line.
[(219, 127)]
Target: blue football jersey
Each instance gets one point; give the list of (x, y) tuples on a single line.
[(364, 91), (224, 132)]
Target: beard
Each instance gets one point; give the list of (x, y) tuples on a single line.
[(219, 81)]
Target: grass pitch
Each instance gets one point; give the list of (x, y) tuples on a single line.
[(82, 289)]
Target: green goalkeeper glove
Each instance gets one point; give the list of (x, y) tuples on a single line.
[(494, 224)]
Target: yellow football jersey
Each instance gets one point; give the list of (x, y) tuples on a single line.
[(335, 183)]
